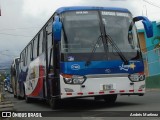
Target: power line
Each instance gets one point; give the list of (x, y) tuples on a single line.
[(15, 35), (151, 3), (7, 55), (18, 28)]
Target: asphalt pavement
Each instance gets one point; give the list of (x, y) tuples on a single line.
[(88, 108)]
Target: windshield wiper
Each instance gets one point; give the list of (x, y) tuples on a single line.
[(109, 39), (114, 45), (88, 62)]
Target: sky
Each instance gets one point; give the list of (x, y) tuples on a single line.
[(20, 20)]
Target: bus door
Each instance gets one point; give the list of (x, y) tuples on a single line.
[(50, 85)]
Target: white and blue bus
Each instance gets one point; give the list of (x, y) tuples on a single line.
[(84, 52)]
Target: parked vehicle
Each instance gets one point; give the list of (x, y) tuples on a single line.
[(8, 84)]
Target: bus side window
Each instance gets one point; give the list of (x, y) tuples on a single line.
[(43, 41), (29, 54), (51, 67), (49, 40), (35, 47), (40, 42), (21, 60), (49, 34), (33, 50), (26, 54)]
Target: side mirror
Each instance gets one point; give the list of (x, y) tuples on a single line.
[(147, 25), (56, 28)]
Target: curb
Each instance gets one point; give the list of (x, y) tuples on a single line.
[(152, 89), (6, 106)]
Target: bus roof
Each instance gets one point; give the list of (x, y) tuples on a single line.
[(73, 8)]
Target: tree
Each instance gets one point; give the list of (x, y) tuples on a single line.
[(2, 77)]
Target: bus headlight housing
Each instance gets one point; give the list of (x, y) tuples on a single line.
[(68, 80), (73, 79), (78, 79), (136, 77)]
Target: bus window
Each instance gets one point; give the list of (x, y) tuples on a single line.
[(43, 41), (50, 63), (35, 42), (40, 42), (29, 54), (49, 34), (21, 59), (25, 56), (49, 39)]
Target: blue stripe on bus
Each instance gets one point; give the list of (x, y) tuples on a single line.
[(101, 67), (63, 9)]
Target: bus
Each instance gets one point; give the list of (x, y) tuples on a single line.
[(14, 71), (84, 51), (7, 84)]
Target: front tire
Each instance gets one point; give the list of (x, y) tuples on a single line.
[(27, 99), (54, 103), (18, 97), (110, 99), (15, 96)]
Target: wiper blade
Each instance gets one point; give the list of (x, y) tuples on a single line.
[(110, 40), (88, 62)]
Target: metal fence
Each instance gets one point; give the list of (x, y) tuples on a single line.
[(152, 61)]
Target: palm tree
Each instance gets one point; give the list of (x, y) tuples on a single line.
[(158, 44)]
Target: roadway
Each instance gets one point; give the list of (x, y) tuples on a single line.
[(95, 110)]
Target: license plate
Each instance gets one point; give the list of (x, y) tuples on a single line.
[(108, 87)]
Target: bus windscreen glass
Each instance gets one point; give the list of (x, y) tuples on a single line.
[(81, 30)]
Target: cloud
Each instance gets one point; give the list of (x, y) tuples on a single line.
[(40, 8), (43, 9), (33, 14)]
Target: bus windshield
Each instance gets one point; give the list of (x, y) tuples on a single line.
[(82, 29)]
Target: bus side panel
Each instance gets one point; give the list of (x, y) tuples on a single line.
[(22, 79), (35, 82)]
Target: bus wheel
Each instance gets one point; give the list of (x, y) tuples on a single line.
[(15, 96), (27, 99), (18, 97), (110, 99), (97, 98), (54, 103)]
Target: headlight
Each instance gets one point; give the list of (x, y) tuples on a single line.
[(68, 80), (142, 77), (78, 79), (136, 77), (73, 79)]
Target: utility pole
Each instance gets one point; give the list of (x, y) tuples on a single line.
[(0, 8), (145, 7)]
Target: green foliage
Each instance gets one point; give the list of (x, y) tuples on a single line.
[(2, 77)]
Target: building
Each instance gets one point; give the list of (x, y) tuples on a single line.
[(151, 55)]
